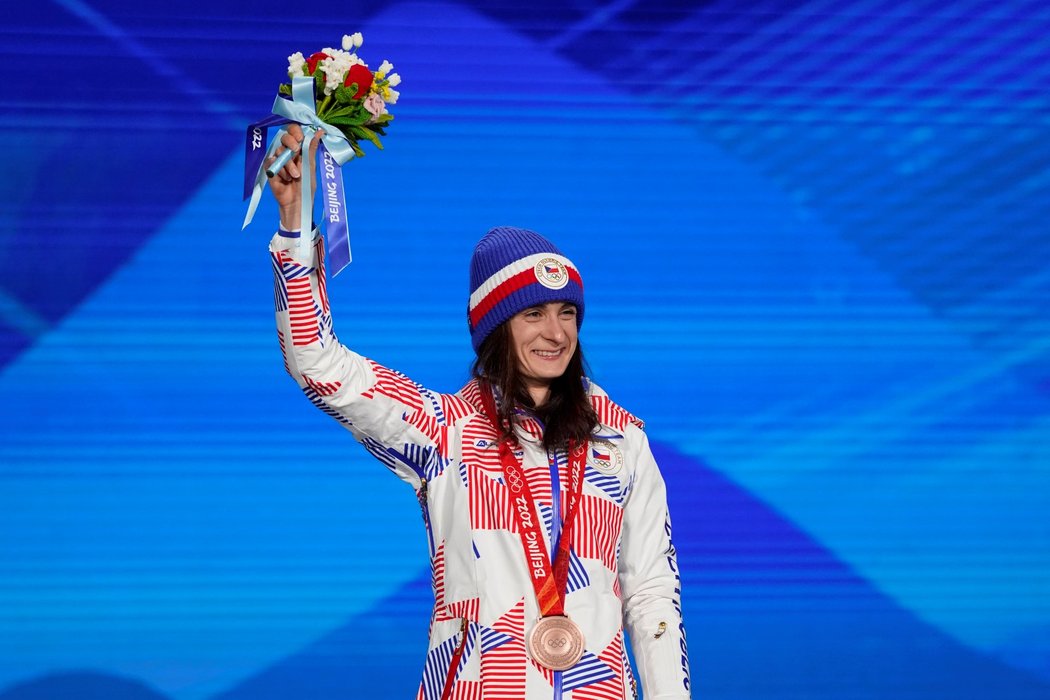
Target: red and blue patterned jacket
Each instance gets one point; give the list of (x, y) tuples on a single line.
[(623, 572)]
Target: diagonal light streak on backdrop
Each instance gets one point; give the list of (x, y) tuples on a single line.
[(12, 311), (20, 317), (854, 436), (190, 87), (595, 20)]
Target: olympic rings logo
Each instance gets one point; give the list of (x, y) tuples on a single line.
[(557, 643), (514, 480)]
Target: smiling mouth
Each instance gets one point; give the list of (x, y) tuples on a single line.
[(548, 354)]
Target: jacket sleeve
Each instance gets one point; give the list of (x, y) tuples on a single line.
[(650, 584), (396, 419)]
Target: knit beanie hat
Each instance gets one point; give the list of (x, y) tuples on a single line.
[(513, 269)]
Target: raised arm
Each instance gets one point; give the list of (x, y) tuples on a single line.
[(395, 418)]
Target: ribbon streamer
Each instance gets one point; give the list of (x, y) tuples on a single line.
[(255, 152), (333, 206), (335, 151)]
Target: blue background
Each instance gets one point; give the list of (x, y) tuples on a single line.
[(816, 247)]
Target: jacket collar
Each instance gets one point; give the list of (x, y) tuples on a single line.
[(612, 418)]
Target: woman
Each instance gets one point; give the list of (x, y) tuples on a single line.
[(545, 511)]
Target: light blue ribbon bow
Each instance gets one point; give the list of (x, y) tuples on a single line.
[(302, 110)]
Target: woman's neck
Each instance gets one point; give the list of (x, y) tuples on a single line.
[(539, 393)]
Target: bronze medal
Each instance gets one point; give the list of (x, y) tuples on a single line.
[(555, 642)]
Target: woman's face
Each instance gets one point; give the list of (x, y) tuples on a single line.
[(544, 339)]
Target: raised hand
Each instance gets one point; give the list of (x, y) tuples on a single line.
[(286, 184)]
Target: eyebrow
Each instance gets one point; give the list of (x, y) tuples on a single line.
[(540, 307)]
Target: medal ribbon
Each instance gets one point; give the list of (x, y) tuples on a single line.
[(549, 581)]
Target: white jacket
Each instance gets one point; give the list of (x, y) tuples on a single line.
[(623, 571)]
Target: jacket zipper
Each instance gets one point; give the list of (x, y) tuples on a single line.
[(450, 679), (422, 496)]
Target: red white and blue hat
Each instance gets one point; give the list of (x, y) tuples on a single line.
[(513, 269)]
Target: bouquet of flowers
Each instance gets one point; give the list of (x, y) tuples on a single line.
[(349, 95), (333, 90)]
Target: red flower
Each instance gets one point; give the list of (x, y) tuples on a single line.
[(360, 75), (311, 63)]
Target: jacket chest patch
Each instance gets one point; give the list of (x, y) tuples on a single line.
[(605, 457)]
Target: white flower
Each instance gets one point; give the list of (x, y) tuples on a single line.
[(384, 68), (394, 79), (295, 64), (342, 59), (336, 67), (332, 79), (355, 40), (348, 42), (390, 96)]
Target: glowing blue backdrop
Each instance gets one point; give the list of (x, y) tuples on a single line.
[(816, 245)]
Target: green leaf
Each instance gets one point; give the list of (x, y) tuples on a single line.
[(341, 112), (284, 89), (336, 113), (345, 95), (357, 149), (365, 133), (340, 121)]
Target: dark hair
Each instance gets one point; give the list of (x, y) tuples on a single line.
[(566, 415)]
